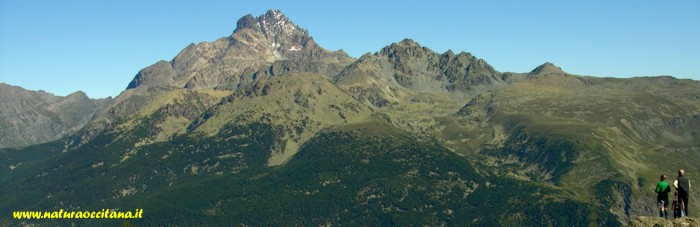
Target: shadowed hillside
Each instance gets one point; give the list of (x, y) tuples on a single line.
[(32, 117)]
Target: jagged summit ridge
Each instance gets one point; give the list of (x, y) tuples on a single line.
[(407, 68), (277, 27), (274, 23), (272, 20)]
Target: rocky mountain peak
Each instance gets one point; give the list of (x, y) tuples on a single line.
[(405, 47), (78, 95), (409, 42), (547, 68), (406, 67), (277, 28), (275, 19), (271, 19), (449, 53), (259, 46)]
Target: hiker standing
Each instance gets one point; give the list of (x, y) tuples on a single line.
[(662, 190), (682, 185)]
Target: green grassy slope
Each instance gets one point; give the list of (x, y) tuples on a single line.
[(587, 135), (360, 174)]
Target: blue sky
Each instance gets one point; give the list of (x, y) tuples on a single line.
[(98, 46)]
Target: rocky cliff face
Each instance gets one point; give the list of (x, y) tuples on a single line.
[(31, 117)]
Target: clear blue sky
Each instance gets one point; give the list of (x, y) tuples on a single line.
[(98, 46)]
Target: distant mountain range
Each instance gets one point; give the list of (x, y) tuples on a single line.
[(265, 127), (31, 117)]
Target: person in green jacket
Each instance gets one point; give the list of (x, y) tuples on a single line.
[(662, 190)]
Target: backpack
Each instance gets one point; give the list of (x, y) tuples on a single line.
[(678, 208)]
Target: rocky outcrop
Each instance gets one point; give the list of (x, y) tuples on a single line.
[(657, 221), (159, 73)]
